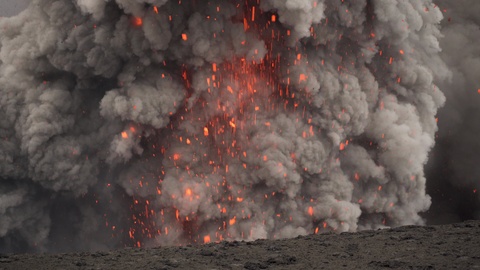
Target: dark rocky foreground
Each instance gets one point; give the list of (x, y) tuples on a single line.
[(455, 246)]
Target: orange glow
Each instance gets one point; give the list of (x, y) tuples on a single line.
[(478, 91), (274, 18), (232, 221), (302, 78), (239, 199), (310, 211), (188, 192), (205, 131), (402, 52), (184, 37), (176, 156), (342, 146), (206, 239), (137, 21), (124, 135), (155, 9)]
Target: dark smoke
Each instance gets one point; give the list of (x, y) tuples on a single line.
[(155, 122), (454, 177)]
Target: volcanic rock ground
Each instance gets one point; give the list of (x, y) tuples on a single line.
[(455, 246)]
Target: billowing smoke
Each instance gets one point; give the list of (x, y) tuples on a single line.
[(157, 122), (454, 178)]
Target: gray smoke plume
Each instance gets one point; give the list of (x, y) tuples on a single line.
[(156, 122), (453, 168)]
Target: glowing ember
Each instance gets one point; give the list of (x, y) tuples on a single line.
[(310, 211), (206, 239), (137, 21)]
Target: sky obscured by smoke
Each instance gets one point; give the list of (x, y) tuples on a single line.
[(453, 170), (12, 7)]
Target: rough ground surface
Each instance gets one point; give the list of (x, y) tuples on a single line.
[(455, 246)]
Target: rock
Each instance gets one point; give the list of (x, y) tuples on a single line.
[(255, 265), (80, 263), (5, 260), (205, 252), (282, 260), (171, 262)]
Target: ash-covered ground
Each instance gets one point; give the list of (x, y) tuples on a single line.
[(452, 246)]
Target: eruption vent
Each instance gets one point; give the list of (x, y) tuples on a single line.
[(157, 122)]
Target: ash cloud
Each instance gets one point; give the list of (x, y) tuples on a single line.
[(160, 122), (453, 174)]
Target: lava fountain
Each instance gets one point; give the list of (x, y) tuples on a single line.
[(157, 122)]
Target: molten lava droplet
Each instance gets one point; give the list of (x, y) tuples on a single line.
[(302, 78), (232, 221), (310, 211), (206, 239), (188, 192), (184, 37), (402, 52), (342, 146), (176, 156), (205, 131), (124, 135), (137, 21)]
